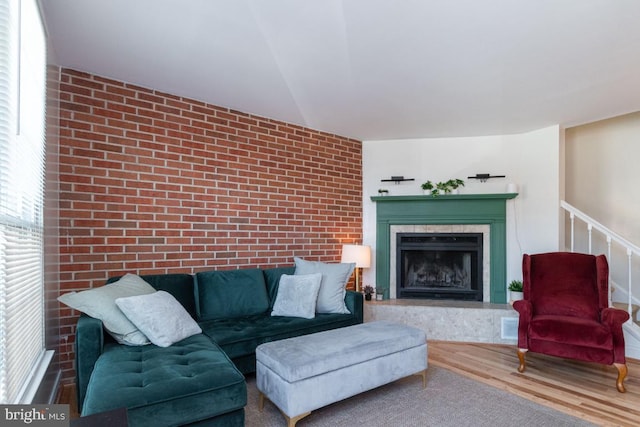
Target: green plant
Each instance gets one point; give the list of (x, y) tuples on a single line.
[(515, 286), (427, 185), (442, 187), (455, 183)]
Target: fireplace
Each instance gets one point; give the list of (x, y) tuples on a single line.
[(439, 266), (462, 213)]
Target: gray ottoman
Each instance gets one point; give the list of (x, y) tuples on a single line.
[(305, 373)]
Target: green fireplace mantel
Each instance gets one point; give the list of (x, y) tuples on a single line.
[(445, 209)]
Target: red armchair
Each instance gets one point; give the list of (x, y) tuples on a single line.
[(565, 311)]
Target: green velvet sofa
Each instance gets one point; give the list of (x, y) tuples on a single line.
[(199, 380)]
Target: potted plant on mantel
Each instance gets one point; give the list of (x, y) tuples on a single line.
[(448, 187), (454, 184), (515, 291), (427, 187)]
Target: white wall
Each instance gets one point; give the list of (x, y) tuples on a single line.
[(602, 181), (602, 171), (531, 160)]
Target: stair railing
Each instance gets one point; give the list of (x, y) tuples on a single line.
[(611, 237)]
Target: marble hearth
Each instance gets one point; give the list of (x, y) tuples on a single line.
[(464, 321)]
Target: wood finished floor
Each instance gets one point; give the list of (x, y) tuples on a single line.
[(583, 390)]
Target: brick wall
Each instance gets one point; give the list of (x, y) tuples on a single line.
[(154, 183)]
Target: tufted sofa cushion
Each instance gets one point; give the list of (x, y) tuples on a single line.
[(227, 294), (272, 280), (190, 381)]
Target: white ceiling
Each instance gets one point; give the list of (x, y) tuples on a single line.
[(369, 69)]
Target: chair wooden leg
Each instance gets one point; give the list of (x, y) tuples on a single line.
[(622, 374), (521, 354)]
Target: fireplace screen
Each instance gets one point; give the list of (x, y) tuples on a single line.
[(439, 265)]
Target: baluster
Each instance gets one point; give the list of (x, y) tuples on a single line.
[(590, 228), (572, 216), (609, 259), (630, 308)]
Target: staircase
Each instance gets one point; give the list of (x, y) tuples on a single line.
[(597, 238)]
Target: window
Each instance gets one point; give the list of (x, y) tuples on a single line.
[(22, 118)]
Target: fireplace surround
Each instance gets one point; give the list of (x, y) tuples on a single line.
[(479, 229), (439, 266), (462, 210)]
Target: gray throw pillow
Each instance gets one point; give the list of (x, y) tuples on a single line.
[(297, 296), (332, 286), (160, 317), (100, 303)]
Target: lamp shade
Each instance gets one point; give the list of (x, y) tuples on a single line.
[(360, 254)]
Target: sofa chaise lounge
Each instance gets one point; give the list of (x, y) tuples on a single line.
[(198, 380)]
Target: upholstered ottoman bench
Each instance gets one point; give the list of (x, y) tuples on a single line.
[(305, 373)]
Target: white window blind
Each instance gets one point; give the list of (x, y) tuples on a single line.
[(22, 118)]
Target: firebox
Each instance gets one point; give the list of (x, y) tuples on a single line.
[(439, 266)]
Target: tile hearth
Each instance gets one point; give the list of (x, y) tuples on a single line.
[(442, 320)]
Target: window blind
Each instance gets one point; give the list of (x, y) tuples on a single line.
[(22, 132)]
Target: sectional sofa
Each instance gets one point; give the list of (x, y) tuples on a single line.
[(198, 380)]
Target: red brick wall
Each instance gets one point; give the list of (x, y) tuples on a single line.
[(154, 183)]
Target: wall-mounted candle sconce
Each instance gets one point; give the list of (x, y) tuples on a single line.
[(397, 179), (483, 177)]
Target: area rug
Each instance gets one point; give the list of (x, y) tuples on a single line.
[(449, 400)]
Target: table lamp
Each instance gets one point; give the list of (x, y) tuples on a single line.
[(361, 255)]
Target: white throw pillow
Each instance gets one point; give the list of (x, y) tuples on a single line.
[(297, 296), (100, 303), (332, 286), (160, 317)]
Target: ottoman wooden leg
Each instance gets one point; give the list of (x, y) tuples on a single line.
[(291, 421), (423, 374)]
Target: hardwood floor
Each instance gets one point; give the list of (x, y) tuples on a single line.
[(584, 390), (67, 396)]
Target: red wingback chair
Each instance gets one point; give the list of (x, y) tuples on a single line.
[(565, 311)]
